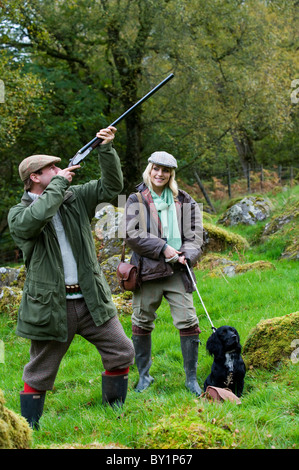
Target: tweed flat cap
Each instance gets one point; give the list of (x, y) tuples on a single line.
[(163, 159), (34, 163)]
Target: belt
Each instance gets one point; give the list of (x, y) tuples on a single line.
[(73, 289)]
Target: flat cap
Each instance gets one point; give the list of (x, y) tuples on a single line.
[(34, 163), (163, 159)]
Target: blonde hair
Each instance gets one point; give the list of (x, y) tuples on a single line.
[(171, 183)]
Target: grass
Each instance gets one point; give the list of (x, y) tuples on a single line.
[(266, 419)]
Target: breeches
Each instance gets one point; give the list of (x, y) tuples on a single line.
[(148, 298), (115, 348)]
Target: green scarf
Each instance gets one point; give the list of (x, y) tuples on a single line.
[(165, 206)]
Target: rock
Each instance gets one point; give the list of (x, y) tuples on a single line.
[(291, 251), (248, 211), (123, 302), (219, 265), (186, 428), (109, 267), (109, 230), (279, 221), (11, 290), (12, 276), (272, 342), (218, 239), (285, 226), (15, 432), (10, 299)]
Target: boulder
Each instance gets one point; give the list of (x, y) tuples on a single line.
[(219, 239), (285, 226), (272, 341), (12, 276), (248, 211), (109, 231), (186, 428), (221, 265), (10, 299), (15, 432)]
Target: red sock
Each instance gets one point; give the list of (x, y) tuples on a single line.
[(28, 389), (117, 371)]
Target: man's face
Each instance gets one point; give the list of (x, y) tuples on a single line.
[(45, 176)]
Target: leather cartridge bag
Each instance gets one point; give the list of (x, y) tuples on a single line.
[(128, 275)]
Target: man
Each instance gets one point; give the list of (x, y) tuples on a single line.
[(65, 292)]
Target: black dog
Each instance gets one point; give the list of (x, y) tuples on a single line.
[(228, 368)]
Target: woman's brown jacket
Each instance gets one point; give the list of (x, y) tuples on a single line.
[(143, 235)]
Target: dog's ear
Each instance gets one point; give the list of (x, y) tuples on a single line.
[(238, 338), (214, 345), (236, 332)]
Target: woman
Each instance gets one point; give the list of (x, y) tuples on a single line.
[(165, 234)]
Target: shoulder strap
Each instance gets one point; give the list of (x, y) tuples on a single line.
[(141, 212)]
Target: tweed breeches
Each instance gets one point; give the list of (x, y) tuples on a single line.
[(115, 348)]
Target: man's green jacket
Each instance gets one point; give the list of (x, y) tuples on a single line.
[(42, 313)]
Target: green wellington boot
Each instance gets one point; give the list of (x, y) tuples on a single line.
[(189, 347), (143, 349), (114, 389), (32, 405)]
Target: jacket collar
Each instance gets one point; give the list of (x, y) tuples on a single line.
[(26, 199), (142, 187)]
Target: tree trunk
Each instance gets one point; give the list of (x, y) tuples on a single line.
[(202, 188), (244, 148)]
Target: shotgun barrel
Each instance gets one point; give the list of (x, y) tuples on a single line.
[(84, 151)]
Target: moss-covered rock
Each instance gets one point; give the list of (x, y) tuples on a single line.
[(15, 432), (10, 299), (285, 226), (109, 267), (186, 429), (123, 303), (218, 265), (12, 276), (219, 239), (259, 265), (109, 232), (291, 251), (270, 342), (277, 222)]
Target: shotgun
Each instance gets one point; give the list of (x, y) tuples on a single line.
[(84, 151)]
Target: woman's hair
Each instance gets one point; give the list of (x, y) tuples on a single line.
[(172, 182)]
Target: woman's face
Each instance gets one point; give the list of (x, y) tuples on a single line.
[(160, 176)]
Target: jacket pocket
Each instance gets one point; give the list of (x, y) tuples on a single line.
[(37, 307)]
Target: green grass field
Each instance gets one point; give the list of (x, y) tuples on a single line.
[(167, 415)]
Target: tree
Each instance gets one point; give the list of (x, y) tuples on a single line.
[(89, 55), (232, 61), (235, 74), (21, 93)]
